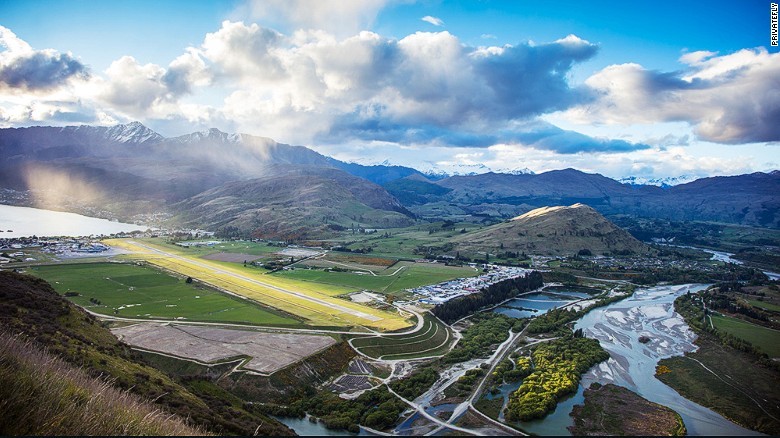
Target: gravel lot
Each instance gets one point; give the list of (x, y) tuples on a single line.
[(269, 352)]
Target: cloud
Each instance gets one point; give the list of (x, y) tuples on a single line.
[(338, 17), (426, 89), (432, 20), (245, 52), (427, 81), (551, 138), (730, 99), (187, 71), (25, 69), (134, 88), (46, 86), (536, 135)]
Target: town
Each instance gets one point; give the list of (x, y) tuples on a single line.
[(445, 291)]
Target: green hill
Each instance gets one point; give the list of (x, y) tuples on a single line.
[(33, 311), (552, 231)]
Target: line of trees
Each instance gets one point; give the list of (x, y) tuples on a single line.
[(459, 307)]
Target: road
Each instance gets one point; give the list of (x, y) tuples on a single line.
[(494, 360), (430, 417)]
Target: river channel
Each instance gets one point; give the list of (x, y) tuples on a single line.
[(648, 312)]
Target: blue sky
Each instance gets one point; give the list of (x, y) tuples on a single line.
[(652, 89)]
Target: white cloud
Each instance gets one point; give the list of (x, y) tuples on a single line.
[(374, 88), (338, 17), (133, 87), (23, 69), (432, 20), (187, 71), (428, 95), (313, 85), (732, 98), (245, 52)]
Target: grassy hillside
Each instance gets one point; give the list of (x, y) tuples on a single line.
[(412, 190), (294, 203), (43, 395), (552, 231), (31, 308)]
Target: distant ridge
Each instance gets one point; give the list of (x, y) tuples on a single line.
[(128, 170), (294, 202)]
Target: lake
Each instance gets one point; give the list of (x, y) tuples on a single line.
[(538, 303), (26, 222)]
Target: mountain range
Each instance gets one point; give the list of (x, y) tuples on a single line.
[(215, 179)]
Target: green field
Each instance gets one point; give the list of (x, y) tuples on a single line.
[(313, 302), (764, 305), (133, 291), (435, 339), (245, 247), (766, 339), (389, 280), (738, 378), (402, 242)]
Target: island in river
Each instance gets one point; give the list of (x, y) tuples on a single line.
[(614, 410)]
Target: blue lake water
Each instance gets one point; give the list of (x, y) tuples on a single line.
[(304, 427), (26, 222), (538, 303)]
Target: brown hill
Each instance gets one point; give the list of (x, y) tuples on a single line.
[(294, 202), (552, 231)]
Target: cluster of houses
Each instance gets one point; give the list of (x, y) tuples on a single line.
[(442, 292), (651, 263), (12, 250), (198, 243)]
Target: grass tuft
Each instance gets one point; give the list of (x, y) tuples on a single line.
[(43, 395)]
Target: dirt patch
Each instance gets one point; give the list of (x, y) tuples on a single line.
[(361, 260), (232, 257), (298, 252), (268, 352)]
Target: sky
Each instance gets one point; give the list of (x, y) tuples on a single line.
[(646, 89)]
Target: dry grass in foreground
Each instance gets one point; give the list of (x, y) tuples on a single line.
[(42, 395)]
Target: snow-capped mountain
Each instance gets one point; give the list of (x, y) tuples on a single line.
[(669, 181), (515, 171), (212, 134), (442, 170), (134, 132)]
